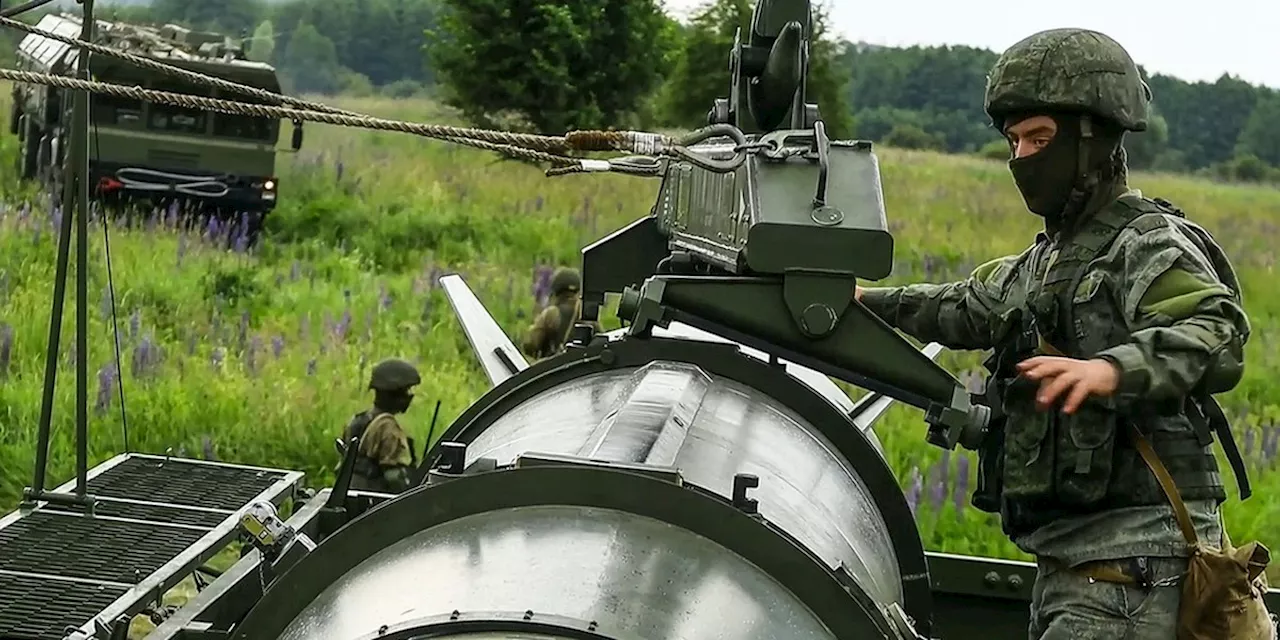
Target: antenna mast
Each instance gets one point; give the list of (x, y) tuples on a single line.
[(75, 197)]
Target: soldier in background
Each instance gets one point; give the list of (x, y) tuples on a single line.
[(550, 330), (385, 454)]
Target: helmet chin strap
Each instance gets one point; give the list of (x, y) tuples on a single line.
[(1086, 182)]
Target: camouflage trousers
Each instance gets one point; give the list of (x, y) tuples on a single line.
[(1068, 606)]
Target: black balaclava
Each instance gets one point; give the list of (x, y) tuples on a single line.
[(1078, 172), (392, 401)]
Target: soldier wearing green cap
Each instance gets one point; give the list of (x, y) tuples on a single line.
[(1110, 333), (550, 330), (385, 453)]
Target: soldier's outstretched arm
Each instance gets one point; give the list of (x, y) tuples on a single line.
[(1188, 328), (957, 315)]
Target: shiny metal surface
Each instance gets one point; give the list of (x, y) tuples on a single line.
[(631, 574), (711, 428), (499, 358)]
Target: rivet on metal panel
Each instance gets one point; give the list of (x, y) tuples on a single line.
[(1015, 582), (992, 579), (528, 614), (743, 482)]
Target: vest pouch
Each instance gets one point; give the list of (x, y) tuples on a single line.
[(1085, 446), (1028, 451)]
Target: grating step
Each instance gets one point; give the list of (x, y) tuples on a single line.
[(75, 546), (183, 482), (35, 609), (150, 512)]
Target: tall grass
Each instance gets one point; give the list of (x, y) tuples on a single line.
[(261, 357)]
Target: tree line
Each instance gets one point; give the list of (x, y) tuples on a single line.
[(554, 65)]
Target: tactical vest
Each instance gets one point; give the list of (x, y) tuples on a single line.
[(367, 474), (1052, 464), (567, 316)]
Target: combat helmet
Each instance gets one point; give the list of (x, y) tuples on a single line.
[(565, 280), (393, 374), (1074, 70)]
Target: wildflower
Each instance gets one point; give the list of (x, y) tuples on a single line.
[(277, 346), (960, 491), (108, 376), (914, 489)]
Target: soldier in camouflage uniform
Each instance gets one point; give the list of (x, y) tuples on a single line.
[(385, 454), (1121, 314), (550, 330)]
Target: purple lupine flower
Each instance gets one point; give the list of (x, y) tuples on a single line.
[(537, 203), (311, 367), (914, 489), (1270, 442), (206, 444), (57, 217), (145, 356), (340, 330), (384, 297), (107, 377), (135, 323), (339, 170), (277, 346), (251, 356), (542, 284), (938, 486), (960, 490), (6, 349), (182, 248), (171, 217), (1249, 436)]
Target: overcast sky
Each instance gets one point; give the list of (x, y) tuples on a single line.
[(1192, 40)]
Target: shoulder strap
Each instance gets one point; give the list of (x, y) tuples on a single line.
[(1167, 485)]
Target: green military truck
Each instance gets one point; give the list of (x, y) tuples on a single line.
[(144, 150)]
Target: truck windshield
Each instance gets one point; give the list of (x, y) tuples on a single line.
[(163, 117)]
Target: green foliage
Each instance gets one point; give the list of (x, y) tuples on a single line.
[(263, 45), (1260, 137), (309, 62), (701, 72), (265, 354), (556, 64)]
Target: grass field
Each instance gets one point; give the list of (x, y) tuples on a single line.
[(262, 357)]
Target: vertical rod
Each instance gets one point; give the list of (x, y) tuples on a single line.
[(81, 148), (51, 355)]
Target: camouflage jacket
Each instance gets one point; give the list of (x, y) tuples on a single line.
[(385, 452), (1159, 301), (550, 330)]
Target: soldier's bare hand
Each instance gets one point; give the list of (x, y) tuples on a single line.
[(1078, 378), (857, 293)]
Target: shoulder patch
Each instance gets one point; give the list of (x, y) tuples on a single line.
[(1149, 222)]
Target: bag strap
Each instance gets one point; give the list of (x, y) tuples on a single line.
[(573, 319), (1166, 484)]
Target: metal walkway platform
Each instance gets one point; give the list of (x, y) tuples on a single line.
[(157, 519)]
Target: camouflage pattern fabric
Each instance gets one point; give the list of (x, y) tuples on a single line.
[(550, 330), (384, 455), (1176, 319), (1069, 70)]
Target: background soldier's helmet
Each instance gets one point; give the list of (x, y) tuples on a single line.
[(1071, 70), (393, 375), (565, 280)]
